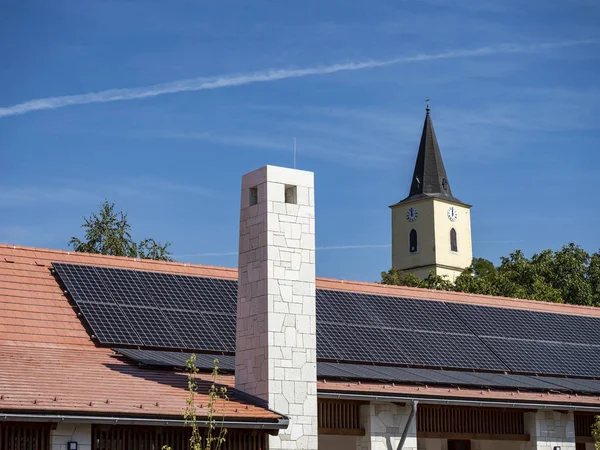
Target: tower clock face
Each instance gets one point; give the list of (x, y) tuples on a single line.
[(452, 213), (411, 214)]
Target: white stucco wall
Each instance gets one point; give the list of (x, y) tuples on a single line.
[(72, 432)]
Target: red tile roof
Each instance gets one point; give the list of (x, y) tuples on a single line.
[(45, 352), (95, 381), (391, 389), (49, 363)]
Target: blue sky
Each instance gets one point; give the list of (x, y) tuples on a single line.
[(162, 106)]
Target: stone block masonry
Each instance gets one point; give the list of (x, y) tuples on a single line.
[(276, 314), (549, 429), (384, 423)]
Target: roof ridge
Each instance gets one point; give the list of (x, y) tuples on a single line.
[(441, 295), (335, 283), (114, 258)]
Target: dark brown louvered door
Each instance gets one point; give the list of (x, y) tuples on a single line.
[(339, 417), (460, 423), (115, 437), (583, 427), (24, 436)]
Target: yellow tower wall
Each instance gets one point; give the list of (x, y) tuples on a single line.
[(402, 259), (433, 228), (448, 262)]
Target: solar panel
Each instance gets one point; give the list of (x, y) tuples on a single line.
[(109, 324), (194, 330), (152, 327), (574, 384), (166, 291), (223, 326), (525, 324), (383, 345), (83, 281), (547, 357), (123, 286), (178, 359), (354, 308), (455, 378)]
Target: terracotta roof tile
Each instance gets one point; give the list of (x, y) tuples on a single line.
[(66, 380), (453, 392)]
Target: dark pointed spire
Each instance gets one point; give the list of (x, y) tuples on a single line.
[(429, 178)]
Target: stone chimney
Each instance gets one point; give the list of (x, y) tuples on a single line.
[(276, 355)]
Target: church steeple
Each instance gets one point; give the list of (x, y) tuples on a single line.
[(431, 229), (429, 177)]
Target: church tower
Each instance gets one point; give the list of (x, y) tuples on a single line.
[(431, 229)]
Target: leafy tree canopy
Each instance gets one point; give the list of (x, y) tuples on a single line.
[(109, 233), (569, 275)]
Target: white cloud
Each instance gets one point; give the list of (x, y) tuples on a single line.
[(198, 84)]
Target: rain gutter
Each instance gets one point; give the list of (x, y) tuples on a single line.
[(280, 423), (457, 402)]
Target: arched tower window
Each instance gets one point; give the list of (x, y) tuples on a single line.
[(413, 241), (453, 244)]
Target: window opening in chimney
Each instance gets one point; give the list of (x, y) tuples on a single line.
[(290, 194), (253, 195)]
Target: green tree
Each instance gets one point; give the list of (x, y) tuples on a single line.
[(109, 233), (593, 277), (596, 433), (401, 278), (569, 275)]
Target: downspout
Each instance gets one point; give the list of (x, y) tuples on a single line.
[(411, 416)]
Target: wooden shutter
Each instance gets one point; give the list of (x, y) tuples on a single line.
[(24, 436), (454, 422), (121, 437)]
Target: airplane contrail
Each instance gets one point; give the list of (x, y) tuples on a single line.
[(198, 84)]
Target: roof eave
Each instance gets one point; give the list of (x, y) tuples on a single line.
[(570, 406), (421, 197), (274, 424)]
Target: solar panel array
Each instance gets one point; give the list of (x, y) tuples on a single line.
[(159, 358), (151, 309), (384, 373), (372, 328), (171, 311), (535, 341)]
